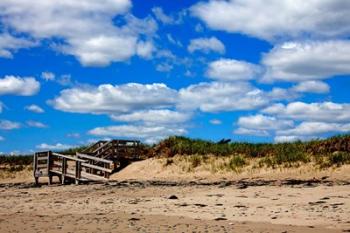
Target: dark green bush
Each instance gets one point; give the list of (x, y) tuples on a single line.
[(236, 162), (339, 158)]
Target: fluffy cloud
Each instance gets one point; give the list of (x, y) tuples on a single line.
[(219, 96), (161, 16), (36, 124), (164, 67), (57, 146), (263, 122), (254, 132), (13, 85), (260, 125), (206, 45), (232, 70), (109, 99), (9, 125), (34, 108), (145, 49), (312, 60), (154, 117), (322, 112), (278, 93), (275, 19), (312, 87), (293, 138), (9, 44), (315, 128), (149, 134), (86, 27)]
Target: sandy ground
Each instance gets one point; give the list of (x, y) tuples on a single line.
[(137, 199), (147, 207)]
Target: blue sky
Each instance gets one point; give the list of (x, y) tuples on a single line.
[(75, 72)]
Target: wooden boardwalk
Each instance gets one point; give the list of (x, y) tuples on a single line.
[(96, 163), (65, 167)]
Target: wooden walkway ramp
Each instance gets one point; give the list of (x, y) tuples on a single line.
[(79, 168), (95, 163)]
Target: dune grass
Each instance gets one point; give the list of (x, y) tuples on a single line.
[(334, 151)]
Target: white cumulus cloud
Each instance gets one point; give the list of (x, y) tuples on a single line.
[(109, 99), (10, 44), (149, 134), (276, 19), (220, 96), (320, 112), (86, 27), (316, 128), (57, 146), (206, 45), (14, 85), (260, 125), (305, 61), (312, 87), (9, 125), (154, 117), (232, 70), (34, 108)]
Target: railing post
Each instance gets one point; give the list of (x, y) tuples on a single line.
[(49, 163), (35, 167), (64, 169), (77, 171), (106, 174)]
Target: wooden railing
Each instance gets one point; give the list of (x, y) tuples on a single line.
[(51, 164)]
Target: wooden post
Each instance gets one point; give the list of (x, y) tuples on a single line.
[(106, 174), (35, 166), (64, 169), (77, 171), (49, 163)]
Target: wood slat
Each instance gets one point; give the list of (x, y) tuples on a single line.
[(68, 157), (42, 166), (92, 177), (94, 158), (84, 176), (42, 158), (96, 167), (100, 147)]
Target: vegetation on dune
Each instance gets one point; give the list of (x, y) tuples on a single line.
[(16, 160), (211, 163), (10, 164), (323, 153), (334, 151)]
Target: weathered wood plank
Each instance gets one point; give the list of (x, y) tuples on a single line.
[(68, 157), (96, 167), (39, 166), (94, 158), (84, 176)]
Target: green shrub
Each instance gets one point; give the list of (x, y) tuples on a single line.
[(339, 158), (237, 161), (16, 159)]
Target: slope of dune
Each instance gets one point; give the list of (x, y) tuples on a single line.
[(158, 169)]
